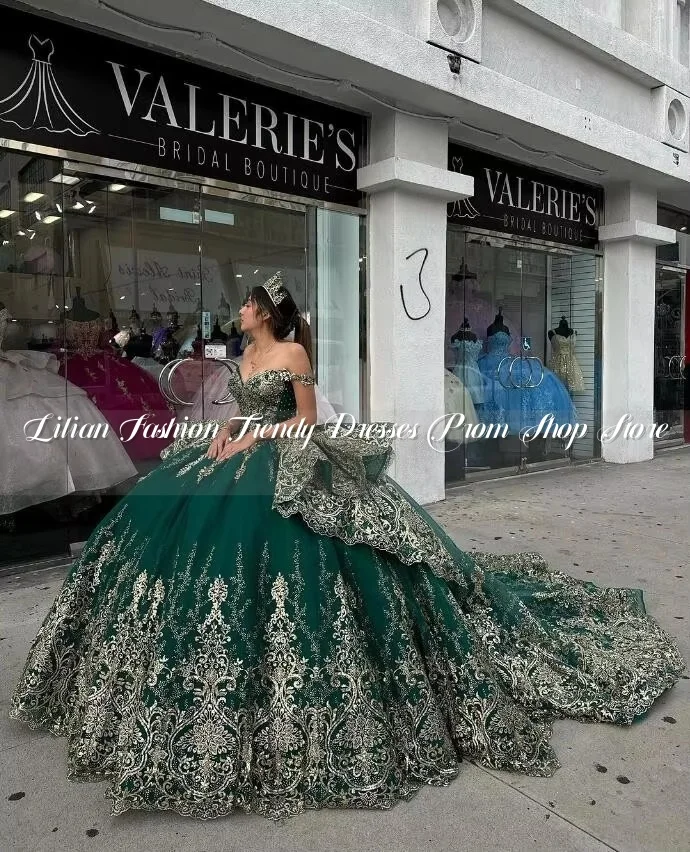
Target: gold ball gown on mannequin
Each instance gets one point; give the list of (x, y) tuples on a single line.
[(288, 629)]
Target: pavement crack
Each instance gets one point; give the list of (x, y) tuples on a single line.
[(547, 808)]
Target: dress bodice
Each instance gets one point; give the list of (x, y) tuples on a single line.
[(268, 393), (467, 351), (42, 50), (497, 348), (83, 337), (498, 344), (564, 362), (565, 345)]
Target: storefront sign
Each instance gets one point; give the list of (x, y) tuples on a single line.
[(521, 200), (72, 89)]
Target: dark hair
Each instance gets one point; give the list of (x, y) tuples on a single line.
[(284, 317)]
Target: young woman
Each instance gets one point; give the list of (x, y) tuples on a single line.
[(271, 624)]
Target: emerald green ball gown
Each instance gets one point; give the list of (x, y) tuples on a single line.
[(288, 629)]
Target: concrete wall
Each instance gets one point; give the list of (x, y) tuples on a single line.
[(515, 49), (401, 15), (610, 10)]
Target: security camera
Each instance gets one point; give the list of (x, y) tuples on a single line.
[(454, 63)]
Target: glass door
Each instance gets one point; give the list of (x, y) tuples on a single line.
[(670, 355), (521, 356), (242, 245), (488, 372)]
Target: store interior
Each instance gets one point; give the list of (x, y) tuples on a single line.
[(522, 360), (105, 281)]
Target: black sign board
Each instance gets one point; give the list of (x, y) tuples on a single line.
[(521, 200), (72, 89)]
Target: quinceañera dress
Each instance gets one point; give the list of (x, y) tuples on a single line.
[(564, 363), (520, 395), (46, 468), (288, 629)]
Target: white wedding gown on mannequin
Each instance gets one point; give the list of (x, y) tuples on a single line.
[(35, 471)]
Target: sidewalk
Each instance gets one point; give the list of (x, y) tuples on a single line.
[(621, 789)]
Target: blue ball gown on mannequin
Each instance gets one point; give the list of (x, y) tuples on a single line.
[(515, 395)]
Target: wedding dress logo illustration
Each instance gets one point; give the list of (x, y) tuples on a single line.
[(38, 102), (463, 209)]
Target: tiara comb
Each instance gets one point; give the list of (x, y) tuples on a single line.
[(274, 288)]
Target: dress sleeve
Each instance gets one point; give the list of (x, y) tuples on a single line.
[(302, 378)]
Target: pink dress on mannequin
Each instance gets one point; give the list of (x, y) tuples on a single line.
[(121, 390)]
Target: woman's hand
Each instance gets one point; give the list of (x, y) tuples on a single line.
[(218, 443), (231, 448)]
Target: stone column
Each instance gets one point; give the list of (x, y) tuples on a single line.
[(630, 238), (409, 185)]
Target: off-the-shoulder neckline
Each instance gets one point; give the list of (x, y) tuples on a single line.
[(265, 372)]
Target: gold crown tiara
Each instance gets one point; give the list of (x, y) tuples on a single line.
[(274, 288)]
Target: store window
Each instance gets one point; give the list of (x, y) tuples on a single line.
[(522, 355), (104, 282), (672, 330), (670, 351)]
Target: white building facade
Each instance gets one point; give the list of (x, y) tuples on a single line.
[(496, 166)]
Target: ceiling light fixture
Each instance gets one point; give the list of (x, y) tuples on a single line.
[(68, 179), (33, 196), (48, 220), (117, 187), (5, 213)]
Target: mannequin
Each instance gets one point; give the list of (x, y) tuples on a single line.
[(467, 350), (122, 390), (497, 325), (564, 363), (217, 334), (562, 329), (464, 273), (138, 345), (134, 321), (464, 332), (42, 471), (79, 312), (173, 318)]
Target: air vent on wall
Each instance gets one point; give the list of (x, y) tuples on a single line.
[(671, 111), (453, 25)]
